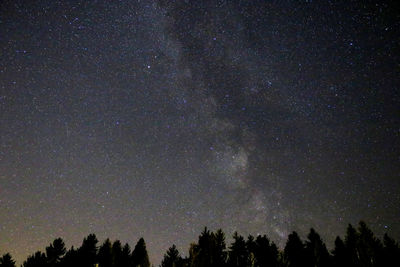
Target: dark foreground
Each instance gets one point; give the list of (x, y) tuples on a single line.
[(359, 248)]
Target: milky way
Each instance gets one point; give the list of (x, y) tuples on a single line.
[(155, 119)]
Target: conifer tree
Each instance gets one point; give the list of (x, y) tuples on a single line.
[(317, 253), (126, 256), (205, 249), (294, 252), (265, 253), (340, 254), (351, 241), (87, 253), (37, 259), (172, 258), (105, 255), (116, 251), (391, 252), (193, 255), (55, 251), (71, 258), (238, 255), (140, 257), (220, 249), (251, 248), (369, 247), (7, 261)]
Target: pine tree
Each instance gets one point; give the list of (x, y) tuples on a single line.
[(340, 255), (193, 255), (205, 249), (38, 259), (210, 250), (391, 252), (140, 257), (87, 253), (55, 251), (369, 247), (105, 255), (294, 252), (126, 256), (265, 253), (220, 249), (238, 254), (316, 250), (251, 248), (116, 251), (7, 261), (351, 241), (172, 258), (71, 258)]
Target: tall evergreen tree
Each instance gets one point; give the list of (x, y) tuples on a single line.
[(126, 256), (55, 251), (369, 247), (265, 253), (7, 261), (71, 258), (36, 260), (294, 252), (317, 253), (172, 258), (238, 254), (88, 251), (351, 241), (220, 249), (140, 257), (104, 256), (251, 247), (193, 254), (205, 249), (116, 251), (210, 250), (340, 255), (391, 252)]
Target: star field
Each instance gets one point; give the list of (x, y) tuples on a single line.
[(157, 118)]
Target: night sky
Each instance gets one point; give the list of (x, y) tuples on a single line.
[(133, 119)]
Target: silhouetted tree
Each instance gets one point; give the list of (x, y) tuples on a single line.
[(350, 243), (7, 261), (71, 258), (360, 248), (36, 260), (238, 255), (391, 252), (251, 247), (294, 252), (126, 256), (116, 252), (172, 258), (193, 254), (265, 253), (55, 251), (105, 256), (205, 249), (88, 251), (369, 247), (220, 253), (340, 255), (210, 250), (317, 253), (140, 257)]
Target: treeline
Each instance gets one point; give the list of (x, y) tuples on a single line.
[(359, 248)]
